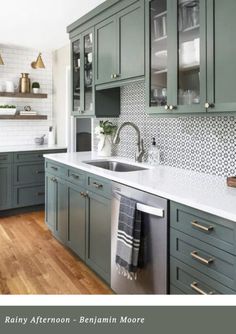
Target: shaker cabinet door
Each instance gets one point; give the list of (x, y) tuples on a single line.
[(221, 55), (76, 220), (5, 186), (131, 42), (98, 235), (106, 49)]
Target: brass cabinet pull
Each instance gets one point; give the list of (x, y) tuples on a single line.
[(54, 168), (195, 255), (201, 227), (97, 185), (53, 179), (75, 176), (167, 107), (209, 105), (85, 195), (195, 287), (172, 107), (40, 172), (112, 76)]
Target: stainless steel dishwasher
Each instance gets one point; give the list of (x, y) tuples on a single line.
[(152, 278)]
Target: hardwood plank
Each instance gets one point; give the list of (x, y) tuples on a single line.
[(34, 262)]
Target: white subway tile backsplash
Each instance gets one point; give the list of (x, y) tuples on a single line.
[(18, 60)]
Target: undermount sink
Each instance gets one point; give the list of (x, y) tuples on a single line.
[(114, 166)]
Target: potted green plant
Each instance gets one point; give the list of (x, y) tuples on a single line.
[(104, 132), (7, 109), (35, 87)]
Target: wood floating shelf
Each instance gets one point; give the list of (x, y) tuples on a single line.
[(24, 95), (23, 117)]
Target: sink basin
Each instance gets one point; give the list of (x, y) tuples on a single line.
[(114, 166)]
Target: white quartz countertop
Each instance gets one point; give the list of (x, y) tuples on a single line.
[(200, 191), (25, 148)]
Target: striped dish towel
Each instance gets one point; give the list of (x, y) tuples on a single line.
[(128, 238)]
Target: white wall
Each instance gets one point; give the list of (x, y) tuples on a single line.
[(18, 60), (61, 94)]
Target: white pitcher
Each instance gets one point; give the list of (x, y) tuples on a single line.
[(10, 86)]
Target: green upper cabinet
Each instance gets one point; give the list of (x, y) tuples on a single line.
[(83, 74), (221, 54), (105, 51), (175, 56), (120, 46)]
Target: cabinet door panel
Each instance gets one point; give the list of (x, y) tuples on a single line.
[(76, 220), (61, 223), (5, 187), (106, 50), (50, 202), (131, 42), (221, 65), (98, 235)]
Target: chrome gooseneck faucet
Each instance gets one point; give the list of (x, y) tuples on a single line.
[(140, 150)]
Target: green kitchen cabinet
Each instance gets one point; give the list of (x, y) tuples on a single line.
[(221, 54), (5, 186), (57, 207), (83, 74), (175, 56), (50, 201), (78, 213), (120, 46), (190, 67), (106, 50), (77, 219), (98, 250)]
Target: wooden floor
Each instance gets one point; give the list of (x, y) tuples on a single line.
[(33, 262)]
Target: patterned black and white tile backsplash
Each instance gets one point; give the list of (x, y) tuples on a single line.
[(204, 144)]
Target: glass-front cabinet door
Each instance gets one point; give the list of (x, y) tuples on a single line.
[(83, 75), (157, 89), (191, 76), (175, 71)]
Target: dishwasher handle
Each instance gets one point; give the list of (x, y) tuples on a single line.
[(151, 210)]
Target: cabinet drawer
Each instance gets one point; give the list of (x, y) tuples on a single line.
[(26, 156), (99, 185), (211, 229), (27, 196), (29, 173), (5, 158), (76, 176), (193, 282), (211, 261), (56, 169)]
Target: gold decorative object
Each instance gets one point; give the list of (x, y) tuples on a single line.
[(1, 61), (38, 63), (24, 86)]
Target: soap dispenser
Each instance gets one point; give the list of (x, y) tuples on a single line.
[(154, 154)]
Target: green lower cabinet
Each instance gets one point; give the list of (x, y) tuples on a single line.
[(98, 235), (5, 186), (50, 201), (57, 207), (61, 223), (77, 219)]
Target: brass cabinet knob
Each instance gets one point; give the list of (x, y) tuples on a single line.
[(112, 76), (172, 107), (209, 105), (167, 107)]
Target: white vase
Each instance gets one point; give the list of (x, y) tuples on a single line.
[(104, 146)]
